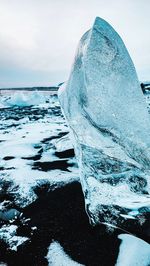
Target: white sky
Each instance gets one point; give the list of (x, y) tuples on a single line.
[(38, 38)]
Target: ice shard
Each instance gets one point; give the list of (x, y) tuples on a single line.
[(110, 126)]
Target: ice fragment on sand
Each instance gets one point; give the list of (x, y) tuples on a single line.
[(109, 122)]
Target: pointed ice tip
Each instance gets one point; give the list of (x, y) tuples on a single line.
[(102, 25), (99, 21)]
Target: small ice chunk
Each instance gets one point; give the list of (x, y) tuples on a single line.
[(63, 144), (9, 214), (8, 234), (57, 256), (133, 251)]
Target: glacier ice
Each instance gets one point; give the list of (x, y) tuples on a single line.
[(22, 99), (110, 127)]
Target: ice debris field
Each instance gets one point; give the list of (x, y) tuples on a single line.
[(35, 151)]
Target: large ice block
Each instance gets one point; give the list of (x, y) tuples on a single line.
[(110, 126)]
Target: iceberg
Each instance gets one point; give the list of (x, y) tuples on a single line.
[(22, 99), (110, 127)]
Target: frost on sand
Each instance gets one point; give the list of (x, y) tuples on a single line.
[(106, 111), (57, 256)]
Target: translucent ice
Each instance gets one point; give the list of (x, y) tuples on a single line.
[(110, 125), (23, 99)]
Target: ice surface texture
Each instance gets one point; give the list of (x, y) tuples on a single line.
[(110, 125)]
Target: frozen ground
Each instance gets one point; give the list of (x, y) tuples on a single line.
[(40, 196), (29, 136), (31, 130)]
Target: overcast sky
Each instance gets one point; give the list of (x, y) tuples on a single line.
[(38, 38)]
